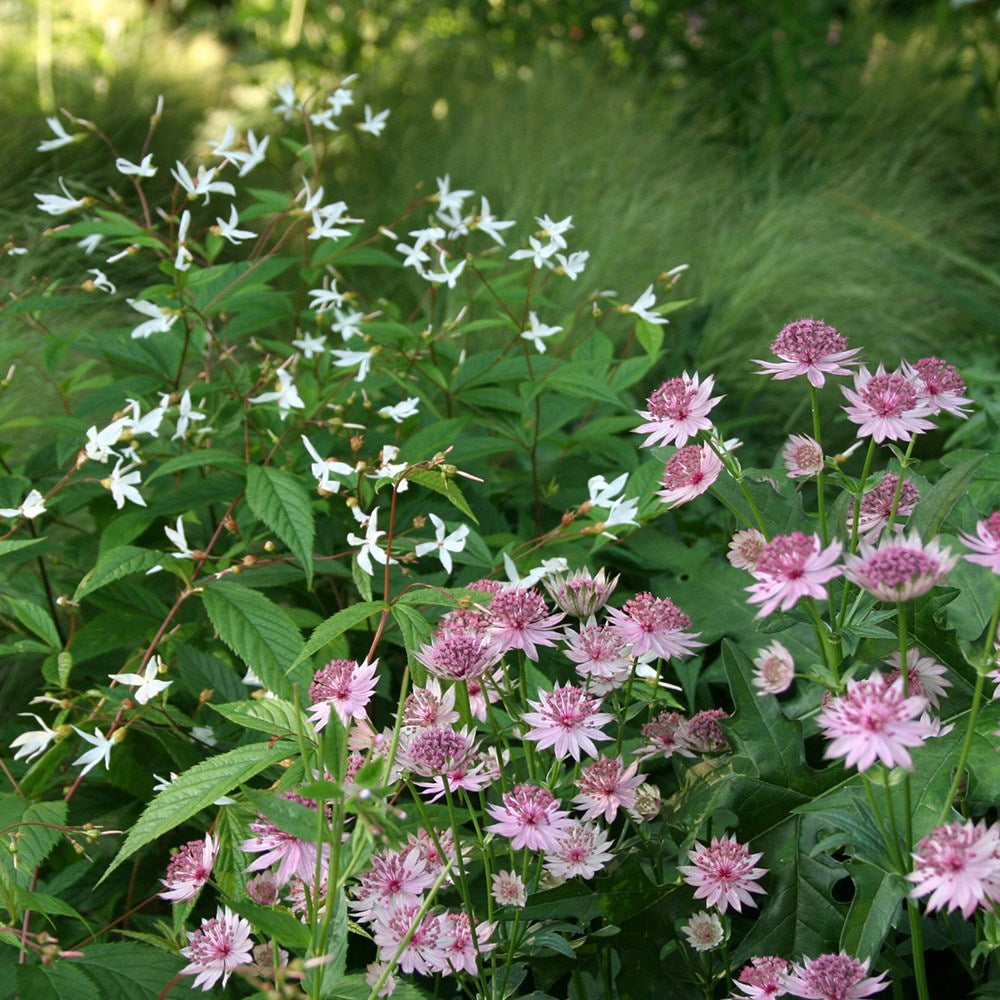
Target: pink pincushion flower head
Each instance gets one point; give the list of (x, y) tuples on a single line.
[(678, 410), (189, 869), (985, 543), (940, 384), (219, 946), (745, 548), (887, 405), (654, 625), (294, 856), (803, 456), (833, 977), (874, 720), (958, 865), (809, 347), (900, 568), (774, 669), (519, 619), (723, 873), (762, 978), (790, 567), (690, 472), (605, 786), (880, 504), (344, 687), (581, 849), (568, 720), (530, 816)]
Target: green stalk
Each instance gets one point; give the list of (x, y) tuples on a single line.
[(820, 481)]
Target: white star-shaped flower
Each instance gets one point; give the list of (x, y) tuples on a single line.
[(122, 483), (101, 750), (130, 169), (286, 396), (398, 413), (444, 544), (374, 124), (642, 305), (33, 744), (160, 319), (63, 138), (30, 507), (146, 684), (369, 545), (538, 331)]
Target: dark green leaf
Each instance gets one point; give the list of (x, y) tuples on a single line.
[(282, 503), (114, 565)]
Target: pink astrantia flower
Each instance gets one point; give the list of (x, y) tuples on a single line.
[(985, 543), (667, 734), (654, 625), (581, 849), (519, 619), (690, 472), (723, 873), (940, 384), (344, 687), (877, 507), (605, 786), (762, 978), (460, 949), (530, 816), (424, 952), (568, 720), (508, 889), (393, 878), (678, 410), (219, 946), (899, 569), (925, 676), (809, 347), (429, 706), (294, 856), (874, 719), (581, 594), (704, 734), (959, 866), (790, 567), (704, 931), (602, 656), (189, 870), (433, 750), (745, 548), (459, 657), (803, 457), (775, 669), (887, 405), (833, 977)]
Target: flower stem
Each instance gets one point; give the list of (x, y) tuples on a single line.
[(820, 481)]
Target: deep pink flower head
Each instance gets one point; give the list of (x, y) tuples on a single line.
[(958, 865), (763, 977), (434, 750), (940, 384), (344, 687), (424, 953), (809, 347), (887, 405), (605, 786), (461, 952), (654, 624), (723, 873), (459, 657), (925, 677), (678, 410), (393, 878), (874, 719), (567, 719), (790, 567), (985, 543), (220, 945), (833, 977), (704, 734), (294, 856), (877, 504), (666, 733), (803, 457), (189, 869), (690, 472), (530, 816), (519, 619), (900, 568), (603, 656)]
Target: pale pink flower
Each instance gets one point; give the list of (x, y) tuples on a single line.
[(704, 931), (581, 849), (219, 946), (605, 786), (959, 866), (655, 625), (874, 719), (428, 706), (678, 410), (665, 734), (601, 654), (519, 619), (189, 870), (763, 978), (703, 733), (775, 669), (264, 889), (508, 889), (648, 802), (393, 878), (430, 852), (790, 567), (460, 948), (833, 977), (886, 405), (459, 657), (940, 384), (723, 873), (424, 952), (745, 548), (877, 504), (690, 472), (294, 856), (344, 687), (985, 543), (530, 816), (433, 750), (306, 899), (809, 347), (900, 568), (580, 594), (374, 972), (926, 677), (803, 456), (568, 720)]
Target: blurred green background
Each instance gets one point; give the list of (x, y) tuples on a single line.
[(804, 157)]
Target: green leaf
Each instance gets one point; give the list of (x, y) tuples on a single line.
[(14, 544), (128, 970), (650, 336), (266, 715), (436, 480), (282, 503), (269, 922), (415, 628), (287, 815), (30, 832), (196, 789), (877, 900), (36, 619), (115, 564), (57, 981), (203, 458), (336, 626), (260, 633), (948, 490)]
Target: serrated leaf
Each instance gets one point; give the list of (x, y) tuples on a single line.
[(31, 832), (947, 491), (115, 564), (435, 480), (15, 544), (196, 789), (337, 625), (128, 970), (287, 815), (414, 627), (269, 922), (204, 458), (260, 633), (877, 900), (266, 715), (36, 619), (57, 981), (282, 503)]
